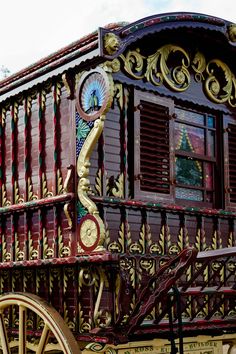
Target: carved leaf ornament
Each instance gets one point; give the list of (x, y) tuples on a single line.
[(219, 81)]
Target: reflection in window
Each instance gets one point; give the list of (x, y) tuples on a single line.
[(194, 141)]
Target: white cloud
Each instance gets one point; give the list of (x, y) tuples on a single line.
[(31, 32)]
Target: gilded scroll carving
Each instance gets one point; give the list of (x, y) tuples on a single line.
[(158, 69), (133, 63), (91, 105), (83, 165), (218, 90)]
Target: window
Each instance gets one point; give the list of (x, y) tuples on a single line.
[(195, 155), (176, 153)]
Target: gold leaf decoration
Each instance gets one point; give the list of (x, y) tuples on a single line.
[(98, 182), (199, 66), (133, 63), (45, 191), (5, 201), (17, 198), (119, 95), (111, 66), (118, 190), (31, 195), (219, 81), (60, 189)]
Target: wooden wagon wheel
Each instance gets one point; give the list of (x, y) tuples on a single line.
[(54, 328)]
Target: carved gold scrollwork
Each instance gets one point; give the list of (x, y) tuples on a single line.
[(217, 91), (118, 190), (5, 201), (133, 63), (158, 69), (199, 66), (111, 66), (179, 79)]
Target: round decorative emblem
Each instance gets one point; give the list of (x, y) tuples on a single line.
[(89, 234), (94, 94)]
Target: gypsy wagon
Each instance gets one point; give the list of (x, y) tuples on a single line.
[(118, 192)]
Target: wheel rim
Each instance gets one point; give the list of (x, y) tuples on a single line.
[(54, 327)]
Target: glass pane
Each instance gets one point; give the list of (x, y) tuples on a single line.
[(188, 138), (211, 143), (188, 171), (189, 194), (191, 117), (211, 122), (209, 175)]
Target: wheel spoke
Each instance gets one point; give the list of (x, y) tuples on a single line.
[(3, 336), (55, 333), (43, 340), (22, 330)]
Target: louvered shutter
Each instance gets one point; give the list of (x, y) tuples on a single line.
[(230, 164), (153, 140)]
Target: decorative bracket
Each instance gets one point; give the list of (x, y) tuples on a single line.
[(94, 97)]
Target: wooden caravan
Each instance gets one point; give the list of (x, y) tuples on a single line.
[(118, 193)]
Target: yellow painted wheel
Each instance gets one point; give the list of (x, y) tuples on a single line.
[(53, 335)]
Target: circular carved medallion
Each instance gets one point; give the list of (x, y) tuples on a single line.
[(94, 94), (89, 234)]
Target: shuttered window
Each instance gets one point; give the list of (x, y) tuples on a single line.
[(232, 162), (153, 141), (176, 157)]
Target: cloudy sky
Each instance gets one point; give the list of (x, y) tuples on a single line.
[(31, 30)]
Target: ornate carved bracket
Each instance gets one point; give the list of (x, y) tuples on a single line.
[(93, 99)]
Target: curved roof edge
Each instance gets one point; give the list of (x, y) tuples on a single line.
[(153, 24), (77, 49), (95, 44)]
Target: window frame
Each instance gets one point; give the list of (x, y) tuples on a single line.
[(218, 172)]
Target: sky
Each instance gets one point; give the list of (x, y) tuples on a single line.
[(31, 30)]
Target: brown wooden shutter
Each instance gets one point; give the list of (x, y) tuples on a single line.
[(232, 162), (154, 148), (153, 139)]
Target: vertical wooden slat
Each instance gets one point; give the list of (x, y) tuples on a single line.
[(68, 131), (28, 150), (14, 162), (57, 139), (47, 138), (2, 155), (33, 140), (9, 232), (126, 101), (34, 235), (8, 160), (41, 147), (20, 153)]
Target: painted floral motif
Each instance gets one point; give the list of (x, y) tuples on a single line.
[(82, 130)]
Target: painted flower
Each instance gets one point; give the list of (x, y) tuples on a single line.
[(82, 130)]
